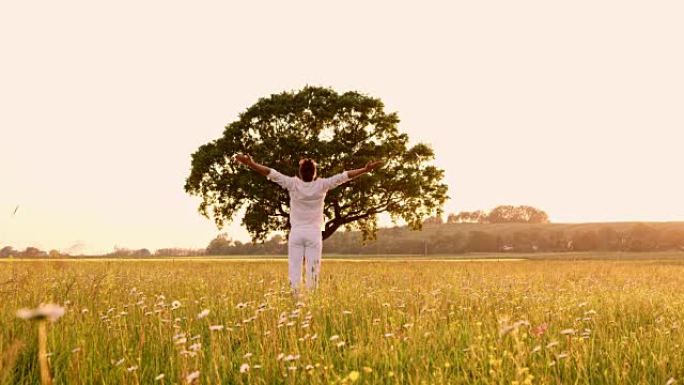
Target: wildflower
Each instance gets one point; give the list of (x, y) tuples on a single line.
[(121, 361), (244, 368), (215, 328), (341, 344), (241, 305), (195, 347), (175, 305), (353, 375), (367, 369), (567, 332), (203, 314), (280, 356), (334, 338), (309, 367), (389, 335), (48, 311), (247, 355), (292, 368), (192, 377), (562, 356), (76, 350), (671, 381), (159, 377), (346, 312), (132, 368), (540, 330)]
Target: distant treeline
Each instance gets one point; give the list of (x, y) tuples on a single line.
[(523, 229), (33, 252), (500, 214), (455, 238)]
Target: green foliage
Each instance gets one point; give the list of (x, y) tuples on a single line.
[(340, 132), (501, 214)]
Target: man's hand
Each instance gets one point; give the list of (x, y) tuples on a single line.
[(244, 159), (247, 161), (373, 165)]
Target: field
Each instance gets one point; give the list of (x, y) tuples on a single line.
[(370, 322)]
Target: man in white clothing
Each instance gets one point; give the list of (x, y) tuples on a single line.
[(307, 199)]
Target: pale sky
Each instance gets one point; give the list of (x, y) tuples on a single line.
[(573, 107)]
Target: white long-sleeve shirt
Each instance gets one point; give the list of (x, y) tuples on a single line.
[(307, 198)]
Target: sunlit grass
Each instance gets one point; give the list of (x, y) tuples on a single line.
[(593, 322)]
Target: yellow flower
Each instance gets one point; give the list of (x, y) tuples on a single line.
[(353, 375)]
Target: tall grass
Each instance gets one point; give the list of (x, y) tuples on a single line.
[(525, 322)]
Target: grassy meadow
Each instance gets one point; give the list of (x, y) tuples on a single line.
[(370, 322)]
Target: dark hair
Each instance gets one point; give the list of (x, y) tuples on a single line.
[(307, 169)]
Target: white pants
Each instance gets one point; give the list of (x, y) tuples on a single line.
[(304, 244)]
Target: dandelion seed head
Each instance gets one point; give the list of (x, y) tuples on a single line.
[(203, 314), (50, 311), (192, 377)]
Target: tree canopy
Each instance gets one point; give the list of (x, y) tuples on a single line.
[(339, 131)]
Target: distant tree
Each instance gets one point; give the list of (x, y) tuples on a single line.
[(141, 253), (54, 254), (340, 131), (221, 245), (179, 252), (33, 252), (517, 214), (478, 216), (434, 220), (7, 251)]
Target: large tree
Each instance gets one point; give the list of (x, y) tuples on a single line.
[(339, 131)]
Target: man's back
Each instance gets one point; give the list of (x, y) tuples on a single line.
[(307, 199)]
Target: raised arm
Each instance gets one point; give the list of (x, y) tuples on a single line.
[(286, 182), (336, 180), (370, 166), (247, 161)]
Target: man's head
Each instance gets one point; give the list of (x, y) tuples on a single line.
[(307, 170)]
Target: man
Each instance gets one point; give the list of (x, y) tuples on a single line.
[(307, 196)]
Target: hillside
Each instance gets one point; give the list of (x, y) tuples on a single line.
[(515, 237)]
